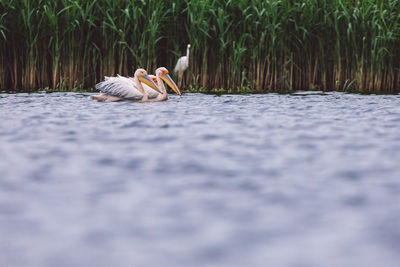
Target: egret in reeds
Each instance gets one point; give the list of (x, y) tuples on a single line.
[(162, 74), (123, 88), (182, 65)]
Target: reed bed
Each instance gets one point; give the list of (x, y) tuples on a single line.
[(257, 45)]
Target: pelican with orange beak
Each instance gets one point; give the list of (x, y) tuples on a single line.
[(162, 74), (122, 88)]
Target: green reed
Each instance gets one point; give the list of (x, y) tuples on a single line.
[(262, 45)]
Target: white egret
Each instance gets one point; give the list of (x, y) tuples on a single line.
[(182, 65)]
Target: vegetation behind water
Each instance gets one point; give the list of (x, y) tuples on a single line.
[(346, 45)]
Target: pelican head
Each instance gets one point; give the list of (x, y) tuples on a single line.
[(163, 74), (143, 77)]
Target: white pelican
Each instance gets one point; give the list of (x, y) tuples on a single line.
[(122, 88), (182, 65), (161, 74)]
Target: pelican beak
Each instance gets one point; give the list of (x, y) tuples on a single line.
[(147, 80), (171, 83)]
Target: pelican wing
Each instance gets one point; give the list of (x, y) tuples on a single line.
[(120, 87)]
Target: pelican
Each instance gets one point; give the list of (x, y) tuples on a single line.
[(122, 88), (161, 74), (182, 65)]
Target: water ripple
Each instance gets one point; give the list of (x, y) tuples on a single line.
[(307, 179)]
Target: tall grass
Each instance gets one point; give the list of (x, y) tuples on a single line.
[(265, 45)]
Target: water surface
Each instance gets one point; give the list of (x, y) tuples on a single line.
[(306, 179)]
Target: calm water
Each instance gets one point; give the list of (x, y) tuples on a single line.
[(259, 180)]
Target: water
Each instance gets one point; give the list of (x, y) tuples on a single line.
[(248, 180)]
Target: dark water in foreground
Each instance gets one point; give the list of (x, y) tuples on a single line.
[(260, 180)]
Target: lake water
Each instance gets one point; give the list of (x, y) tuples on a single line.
[(307, 179)]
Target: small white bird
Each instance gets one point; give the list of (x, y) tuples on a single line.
[(182, 65)]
